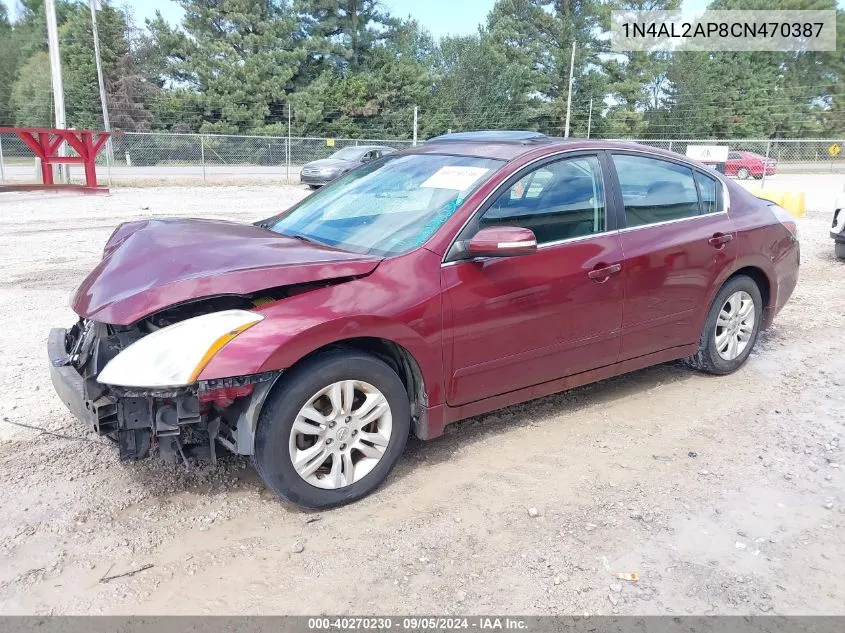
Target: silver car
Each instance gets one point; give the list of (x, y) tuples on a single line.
[(320, 172)]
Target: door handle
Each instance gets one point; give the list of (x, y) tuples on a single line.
[(720, 239), (604, 273)]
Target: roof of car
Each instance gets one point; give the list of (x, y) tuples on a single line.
[(369, 147), (508, 145)]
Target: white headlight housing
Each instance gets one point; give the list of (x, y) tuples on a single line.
[(175, 355)]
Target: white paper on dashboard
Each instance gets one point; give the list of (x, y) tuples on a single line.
[(455, 178)]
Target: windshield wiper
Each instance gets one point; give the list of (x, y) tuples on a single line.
[(307, 240)]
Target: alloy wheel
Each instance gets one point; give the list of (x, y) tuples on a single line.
[(340, 434), (735, 325)]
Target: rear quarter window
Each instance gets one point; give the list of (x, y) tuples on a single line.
[(709, 191)]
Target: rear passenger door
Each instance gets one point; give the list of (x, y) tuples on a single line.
[(676, 238)]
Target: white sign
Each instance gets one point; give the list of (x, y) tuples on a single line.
[(708, 153), (454, 177)]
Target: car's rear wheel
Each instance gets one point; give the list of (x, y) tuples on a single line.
[(333, 429), (742, 173), (731, 328), (839, 248)]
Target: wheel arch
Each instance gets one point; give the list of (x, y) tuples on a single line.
[(759, 277), (395, 355), (751, 269)]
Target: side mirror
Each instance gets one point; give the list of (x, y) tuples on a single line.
[(502, 241)]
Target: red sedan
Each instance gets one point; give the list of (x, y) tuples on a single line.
[(474, 272), (744, 165)]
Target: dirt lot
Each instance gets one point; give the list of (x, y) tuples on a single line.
[(725, 495)]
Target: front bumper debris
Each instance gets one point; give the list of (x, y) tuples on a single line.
[(66, 380), (176, 422)]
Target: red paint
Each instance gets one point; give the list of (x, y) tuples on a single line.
[(754, 163), (45, 144), (670, 270), (152, 264), (485, 333), (502, 241), (513, 322)]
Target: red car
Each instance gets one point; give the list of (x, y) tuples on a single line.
[(470, 273), (748, 164)]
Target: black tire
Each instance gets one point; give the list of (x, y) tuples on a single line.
[(272, 455), (742, 173), (707, 359), (839, 249)]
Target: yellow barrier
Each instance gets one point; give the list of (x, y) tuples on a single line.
[(792, 201)]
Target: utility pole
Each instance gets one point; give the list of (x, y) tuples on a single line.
[(103, 101), (569, 94), (415, 126), (287, 148), (590, 119), (56, 71)]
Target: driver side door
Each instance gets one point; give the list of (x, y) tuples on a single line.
[(514, 322)]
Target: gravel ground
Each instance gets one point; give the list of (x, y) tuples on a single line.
[(725, 495)]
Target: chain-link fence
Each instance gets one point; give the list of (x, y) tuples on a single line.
[(795, 155), (162, 158)]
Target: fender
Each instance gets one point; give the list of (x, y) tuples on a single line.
[(373, 306)]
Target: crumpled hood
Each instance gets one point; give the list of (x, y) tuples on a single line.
[(149, 265)]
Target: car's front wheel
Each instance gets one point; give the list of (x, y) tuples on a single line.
[(731, 328), (332, 429), (839, 249), (742, 173)]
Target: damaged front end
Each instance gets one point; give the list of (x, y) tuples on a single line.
[(177, 422)]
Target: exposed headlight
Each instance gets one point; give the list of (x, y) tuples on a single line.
[(328, 171), (175, 355)]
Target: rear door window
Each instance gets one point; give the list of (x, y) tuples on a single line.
[(655, 190)]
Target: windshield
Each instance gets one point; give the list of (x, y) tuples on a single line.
[(389, 206), (349, 153)]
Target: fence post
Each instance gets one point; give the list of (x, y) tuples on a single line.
[(202, 156), (287, 149), (415, 126), (766, 163), (2, 168), (670, 146)]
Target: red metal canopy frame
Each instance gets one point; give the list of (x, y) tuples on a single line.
[(45, 143)]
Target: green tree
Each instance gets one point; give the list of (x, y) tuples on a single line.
[(378, 98), (238, 56), (478, 87), (79, 70), (339, 34), (9, 61), (637, 81), (752, 94), (32, 94)]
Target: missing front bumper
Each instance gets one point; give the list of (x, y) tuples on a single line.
[(140, 420)]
